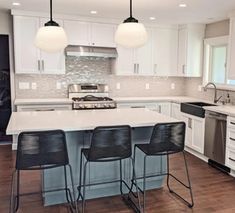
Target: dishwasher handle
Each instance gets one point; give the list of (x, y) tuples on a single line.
[(216, 116)]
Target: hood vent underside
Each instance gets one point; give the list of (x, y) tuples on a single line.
[(91, 51)]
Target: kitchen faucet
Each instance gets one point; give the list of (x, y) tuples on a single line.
[(215, 95)]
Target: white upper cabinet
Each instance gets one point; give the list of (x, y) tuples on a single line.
[(52, 63), (143, 57), (90, 34), (78, 32), (231, 54), (102, 35), (124, 64), (190, 50), (164, 47), (26, 53), (28, 58)]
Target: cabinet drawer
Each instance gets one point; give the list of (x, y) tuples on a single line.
[(230, 158), (231, 138), (231, 122)]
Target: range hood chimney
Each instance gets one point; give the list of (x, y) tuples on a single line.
[(91, 51)]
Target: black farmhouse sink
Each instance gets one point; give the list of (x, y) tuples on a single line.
[(194, 108)]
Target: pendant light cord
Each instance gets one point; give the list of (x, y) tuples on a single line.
[(50, 10), (130, 8)]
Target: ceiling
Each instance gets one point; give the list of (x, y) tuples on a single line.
[(165, 11)]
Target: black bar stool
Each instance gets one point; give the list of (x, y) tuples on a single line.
[(166, 139), (108, 144), (40, 151)]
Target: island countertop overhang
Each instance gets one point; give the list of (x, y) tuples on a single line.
[(83, 119)]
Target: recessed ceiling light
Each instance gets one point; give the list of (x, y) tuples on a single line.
[(93, 12), (16, 3), (152, 18), (182, 5)]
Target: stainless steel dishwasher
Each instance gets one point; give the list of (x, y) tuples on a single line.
[(215, 136)]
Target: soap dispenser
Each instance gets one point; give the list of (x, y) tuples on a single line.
[(227, 100)]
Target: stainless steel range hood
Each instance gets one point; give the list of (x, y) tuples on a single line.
[(91, 51)]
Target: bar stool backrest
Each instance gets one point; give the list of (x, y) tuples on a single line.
[(170, 134), (110, 143), (41, 150)]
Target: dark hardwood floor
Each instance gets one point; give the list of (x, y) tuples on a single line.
[(213, 190)]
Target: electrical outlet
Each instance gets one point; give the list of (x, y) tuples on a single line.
[(147, 86), (172, 86), (199, 88), (34, 85), (24, 85), (106, 88), (58, 85), (118, 86)]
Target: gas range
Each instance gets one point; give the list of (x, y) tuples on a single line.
[(90, 96)]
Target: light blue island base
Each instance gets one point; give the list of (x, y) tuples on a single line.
[(101, 172)]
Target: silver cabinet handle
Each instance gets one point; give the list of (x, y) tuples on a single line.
[(138, 68), (137, 106), (155, 68), (44, 110), (160, 109), (134, 68), (231, 159), (42, 65), (190, 123), (39, 66), (183, 69)]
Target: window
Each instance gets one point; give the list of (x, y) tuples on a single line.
[(218, 64), (215, 58)]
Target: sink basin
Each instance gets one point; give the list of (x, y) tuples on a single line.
[(194, 108)]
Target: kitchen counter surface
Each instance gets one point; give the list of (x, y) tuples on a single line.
[(176, 99), (38, 101), (76, 120), (224, 109)]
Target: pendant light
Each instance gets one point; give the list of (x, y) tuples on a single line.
[(51, 37), (131, 33)]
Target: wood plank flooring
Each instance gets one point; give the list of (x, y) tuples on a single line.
[(213, 191)]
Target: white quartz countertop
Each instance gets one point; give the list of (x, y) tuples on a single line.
[(75, 120), (37, 101), (177, 99), (224, 109)]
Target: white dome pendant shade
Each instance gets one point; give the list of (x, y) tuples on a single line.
[(51, 37), (130, 33)]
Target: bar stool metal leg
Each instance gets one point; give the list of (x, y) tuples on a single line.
[(84, 187), (73, 188), (190, 205), (80, 178), (144, 183)]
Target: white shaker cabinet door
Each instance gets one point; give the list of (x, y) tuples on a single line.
[(52, 63), (182, 52), (124, 62), (143, 57), (165, 47), (198, 135), (26, 53), (78, 32), (102, 35)]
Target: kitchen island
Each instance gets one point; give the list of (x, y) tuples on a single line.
[(78, 126)]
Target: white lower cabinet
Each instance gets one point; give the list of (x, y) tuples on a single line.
[(175, 111), (195, 131), (161, 107), (230, 143)]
